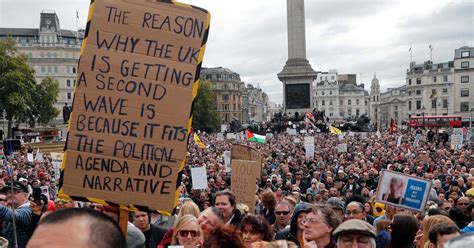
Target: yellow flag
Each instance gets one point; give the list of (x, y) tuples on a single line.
[(334, 130), (198, 141)]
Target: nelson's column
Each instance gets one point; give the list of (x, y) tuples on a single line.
[(297, 75)]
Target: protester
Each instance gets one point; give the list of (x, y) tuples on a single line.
[(404, 228), (225, 236), (153, 234), (283, 213), (319, 225), (18, 195), (441, 233), (295, 232), (226, 202), (255, 228), (210, 219), (187, 232), (77, 227), (355, 231)]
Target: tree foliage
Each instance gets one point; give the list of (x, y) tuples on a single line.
[(205, 117), (46, 94), (17, 82)]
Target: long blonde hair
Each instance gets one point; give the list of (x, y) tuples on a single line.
[(180, 222)]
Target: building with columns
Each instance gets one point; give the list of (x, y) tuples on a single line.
[(430, 88), (51, 51), (339, 96), (228, 89), (464, 82), (392, 105)]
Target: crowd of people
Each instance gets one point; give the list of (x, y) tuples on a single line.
[(327, 200)]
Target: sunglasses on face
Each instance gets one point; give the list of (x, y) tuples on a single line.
[(282, 212), (185, 233)]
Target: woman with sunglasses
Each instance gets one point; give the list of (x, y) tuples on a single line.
[(187, 232)]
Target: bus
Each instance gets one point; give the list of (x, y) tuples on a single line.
[(435, 121)]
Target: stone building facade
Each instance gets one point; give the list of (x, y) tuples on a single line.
[(51, 51)]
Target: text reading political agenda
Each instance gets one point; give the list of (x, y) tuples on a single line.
[(132, 104)]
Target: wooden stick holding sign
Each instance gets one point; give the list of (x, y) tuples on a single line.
[(123, 221)]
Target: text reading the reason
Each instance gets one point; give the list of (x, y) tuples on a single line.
[(186, 26)]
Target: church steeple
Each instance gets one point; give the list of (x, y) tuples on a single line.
[(375, 86)]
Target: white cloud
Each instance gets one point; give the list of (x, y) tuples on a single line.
[(362, 37)]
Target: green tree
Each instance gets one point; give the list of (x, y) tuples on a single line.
[(17, 82), (205, 117), (46, 95)]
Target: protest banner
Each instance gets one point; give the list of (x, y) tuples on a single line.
[(297, 140), (241, 152), (342, 147), (223, 128), (292, 131), (230, 136), (456, 141), (199, 176), (309, 149), (403, 191), (30, 157), (243, 181), (227, 161), (417, 140), (39, 157), (309, 140), (57, 160), (138, 76), (399, 141), (220, 137)]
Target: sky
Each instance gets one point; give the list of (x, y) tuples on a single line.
[(362, 37)]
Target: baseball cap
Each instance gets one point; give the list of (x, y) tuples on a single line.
[(15, 186), (355, 226)]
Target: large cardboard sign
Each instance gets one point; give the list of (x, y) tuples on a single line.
[(241, 152), (403, 191), (137, 78), (243, 181)]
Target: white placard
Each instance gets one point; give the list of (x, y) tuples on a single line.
[(403, 191), (342, 147), (302, 131), (292, 131), (30, 157), (220, 137), (223, 128), (199, 176), (240, 136), (456, 141), (341, 136), (309, 148), (227, 160), (399, 141), (230, 136), (417, 140), (309, 140), (296, 141), (458, 131), (39, 157)]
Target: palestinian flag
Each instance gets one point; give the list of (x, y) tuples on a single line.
[(255, 137)]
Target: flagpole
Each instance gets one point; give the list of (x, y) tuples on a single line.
[(411, 55), (431, 53), (77, 26)]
